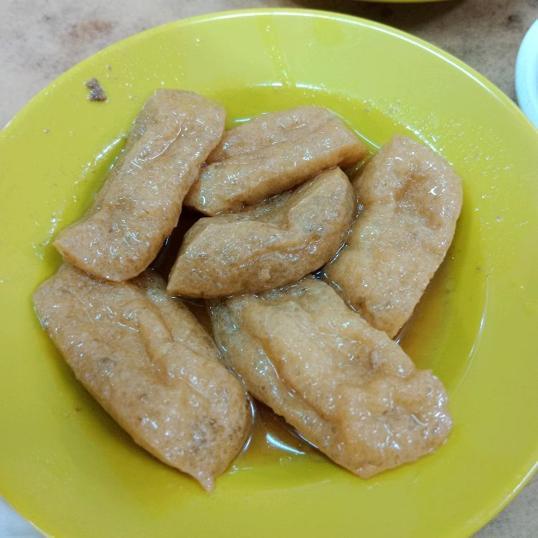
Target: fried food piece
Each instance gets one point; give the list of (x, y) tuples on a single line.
[(412, 199), (271, 154), (269, 245), (345, 386), (141, 201), (150, 364)]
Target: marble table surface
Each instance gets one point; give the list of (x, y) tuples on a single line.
[(39, 39)]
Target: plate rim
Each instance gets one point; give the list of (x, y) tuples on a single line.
[(447, 57)]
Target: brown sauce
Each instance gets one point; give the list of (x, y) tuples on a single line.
[(168, 253)]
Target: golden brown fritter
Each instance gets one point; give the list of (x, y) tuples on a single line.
[(345, 386), (411, 201), (271, 154), (269, 245), (140, 202), (150, 364)]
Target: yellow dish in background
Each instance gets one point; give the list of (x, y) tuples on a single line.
[(70, 470), (402, 1)]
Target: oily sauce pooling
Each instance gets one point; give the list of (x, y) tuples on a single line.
[(276, 208)]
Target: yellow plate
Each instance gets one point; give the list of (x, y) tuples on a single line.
[(402, 1), (67, 467)]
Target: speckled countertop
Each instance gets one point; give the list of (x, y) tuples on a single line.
[(39, 39)]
